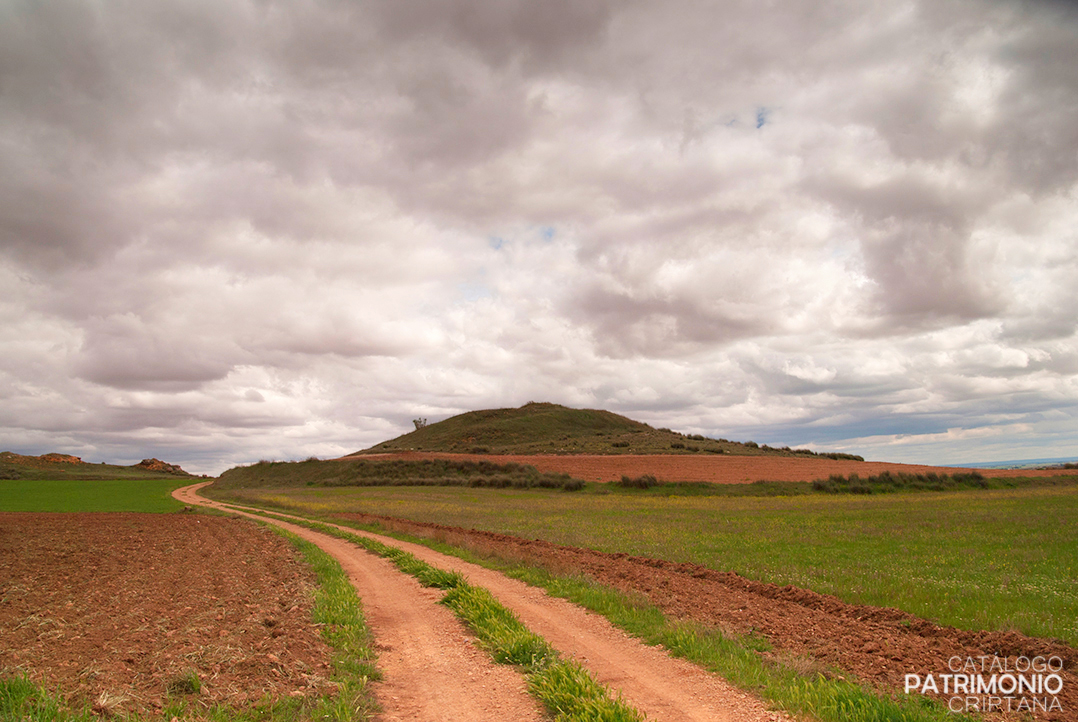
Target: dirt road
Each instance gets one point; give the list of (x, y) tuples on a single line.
[(431, 668), (661, 687)]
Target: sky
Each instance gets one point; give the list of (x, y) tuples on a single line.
[(234, 230)]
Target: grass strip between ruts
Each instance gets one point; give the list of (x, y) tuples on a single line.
[(336, 607), (796, 685), (564, 687)]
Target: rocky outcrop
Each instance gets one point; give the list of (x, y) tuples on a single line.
[(39, 461), (61, 458), (158, 465)]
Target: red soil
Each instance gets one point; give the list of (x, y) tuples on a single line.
[(718, 469), (113, 608)]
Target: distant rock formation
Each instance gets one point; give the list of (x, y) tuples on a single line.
[(158, 465), (48, 463), (61, 458), (11, 457)]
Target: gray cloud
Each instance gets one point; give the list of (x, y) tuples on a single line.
[(236, 230), (538, 35)]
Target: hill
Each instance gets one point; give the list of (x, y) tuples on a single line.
[(544, 428), (65, 466)]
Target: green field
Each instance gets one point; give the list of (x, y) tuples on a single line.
[(983, 559), (152, 495)]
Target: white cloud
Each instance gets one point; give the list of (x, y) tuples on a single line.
[(231, 231)]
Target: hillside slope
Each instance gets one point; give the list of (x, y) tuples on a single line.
[(65, 466), (544, 428)]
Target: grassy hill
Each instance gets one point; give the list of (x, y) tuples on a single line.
[(543, 428), (63, 466)]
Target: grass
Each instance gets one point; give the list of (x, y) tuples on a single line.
[(22, 700), (336, 608), (151, 495), (986, 559), (790, 684), (565, 688)]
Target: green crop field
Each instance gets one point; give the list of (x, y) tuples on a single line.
[(979, 559), (152, 495)]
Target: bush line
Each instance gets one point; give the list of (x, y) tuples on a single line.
[(891, 481)]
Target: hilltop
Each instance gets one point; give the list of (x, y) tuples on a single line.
[(545, 428), (65, 466)]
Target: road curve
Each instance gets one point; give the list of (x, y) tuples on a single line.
[(665, 689)]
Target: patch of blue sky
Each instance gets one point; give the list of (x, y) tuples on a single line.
[(496, 243), (547, 233), (762, 115), (471, 292)]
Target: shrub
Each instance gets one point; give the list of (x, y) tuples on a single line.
[(889, 482), (645, 481)]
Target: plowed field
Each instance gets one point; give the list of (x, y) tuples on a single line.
[(117, 608)]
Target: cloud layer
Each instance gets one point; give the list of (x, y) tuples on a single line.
[(247, 229)]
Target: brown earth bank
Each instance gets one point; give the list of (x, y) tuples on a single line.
[(817, 632), (718, 469), (118, 609)]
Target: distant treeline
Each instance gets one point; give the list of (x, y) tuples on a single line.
[(396, 472)]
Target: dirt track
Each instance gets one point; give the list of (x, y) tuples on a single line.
[(431, 669), (658, 685), (717, 469)]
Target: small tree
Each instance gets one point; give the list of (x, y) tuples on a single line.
[(419, 423)]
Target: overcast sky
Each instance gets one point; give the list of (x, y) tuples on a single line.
[(244, 229)]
